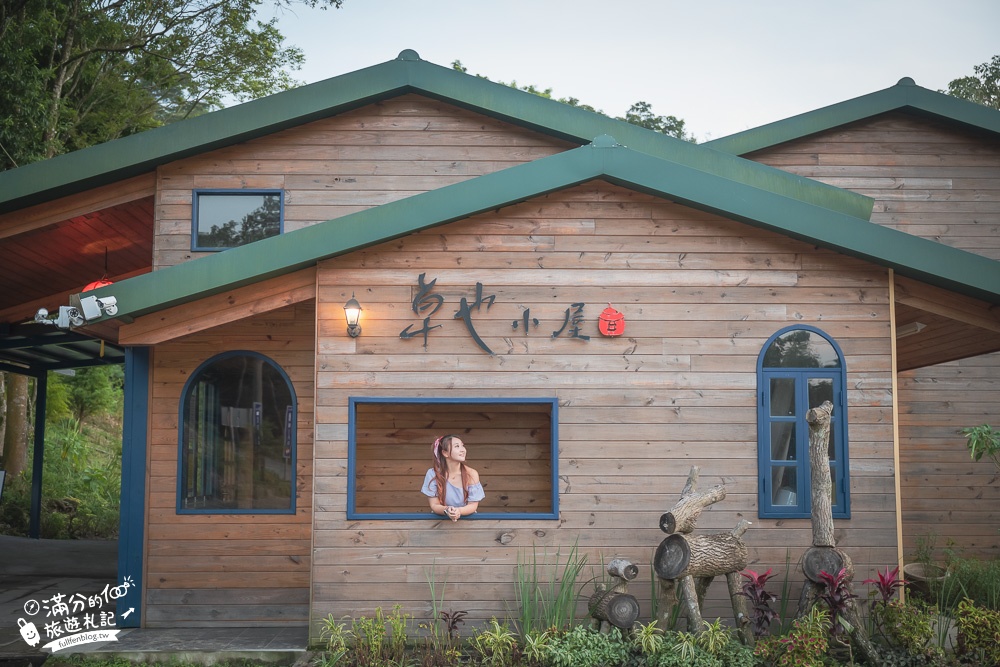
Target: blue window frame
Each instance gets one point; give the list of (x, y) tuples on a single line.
[(799, 368), (223, 219), (237, 438), (512, 442)]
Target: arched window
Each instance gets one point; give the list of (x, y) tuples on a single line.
[(237, 437), (799, 368)]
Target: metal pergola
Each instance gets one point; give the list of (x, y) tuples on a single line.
[(34, 349)]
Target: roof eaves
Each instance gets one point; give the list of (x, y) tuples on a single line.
[(904, 96), (604, 159), (130, 156)]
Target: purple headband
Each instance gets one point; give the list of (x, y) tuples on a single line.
[(437, 446)]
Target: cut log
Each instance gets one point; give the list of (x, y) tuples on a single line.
[(699, 555), (689, 604), (685, 513), (623, 569), (671, 557), (819, 466), (692, 482), (825, 559), (619, 609), (741, 609)]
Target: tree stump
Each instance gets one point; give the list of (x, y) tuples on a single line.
[(824, 556), (699, 555)]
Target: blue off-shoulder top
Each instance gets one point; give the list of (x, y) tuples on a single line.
[(453, 496)]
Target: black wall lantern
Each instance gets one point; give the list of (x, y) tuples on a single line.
[(352, 311)]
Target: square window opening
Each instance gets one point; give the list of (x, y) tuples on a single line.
[(511, 443)]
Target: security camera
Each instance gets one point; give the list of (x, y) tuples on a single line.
[(109, 305), (42, 316), (69, 316)]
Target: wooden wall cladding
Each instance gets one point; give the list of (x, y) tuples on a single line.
[(926, 177), (946, 496), (347, 163), (700, 295), (206, 570)]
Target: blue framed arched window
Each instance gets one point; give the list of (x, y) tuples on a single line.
[(799, 368), (237, 437)]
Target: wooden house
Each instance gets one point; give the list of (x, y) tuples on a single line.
[(273, 457)]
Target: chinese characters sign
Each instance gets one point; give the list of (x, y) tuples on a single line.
[(427, 303)]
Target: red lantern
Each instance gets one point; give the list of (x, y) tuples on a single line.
[(611, 322), (97, 284)]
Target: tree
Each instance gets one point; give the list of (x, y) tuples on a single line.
[(82, 72), (640, 113), (983, 87)]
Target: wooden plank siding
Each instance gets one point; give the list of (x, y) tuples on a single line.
[(344, 164), (945, 493), (229, 569), (927, 178), (700, 295), (935, 181)]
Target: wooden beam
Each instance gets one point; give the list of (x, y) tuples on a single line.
[(219, 309), (948, 304), (49, 213)]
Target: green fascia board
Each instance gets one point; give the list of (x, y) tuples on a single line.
[(134, 155), (909, 255), (904, 96)]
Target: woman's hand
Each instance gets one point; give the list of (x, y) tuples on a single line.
[(453, 513)]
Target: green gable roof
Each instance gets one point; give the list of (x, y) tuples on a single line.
[(904, 96), (130, 156), (604, 159)]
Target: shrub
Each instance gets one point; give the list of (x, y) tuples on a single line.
[(583, 647), (909, 626), (804, 645), (496, 645), (979, 631)]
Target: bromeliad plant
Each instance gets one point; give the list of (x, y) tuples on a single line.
[(760, 600), (838, 598), (887, 584)]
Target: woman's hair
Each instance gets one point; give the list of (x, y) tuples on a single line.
[(442, 445)]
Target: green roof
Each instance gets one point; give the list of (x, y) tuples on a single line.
[(604, 159), (904, 96), (134, 155)]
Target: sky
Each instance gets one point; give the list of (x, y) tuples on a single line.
[(723, 66)]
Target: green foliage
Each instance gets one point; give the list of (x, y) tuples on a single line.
[(983, 87), (334, 636), (647, 638), (495, 645), (979, 631), (536, 647), (804, 645), (983, 440), (583, 647), (909, 626), (81, 72), (381, 640), (640, 113), (547, 603)]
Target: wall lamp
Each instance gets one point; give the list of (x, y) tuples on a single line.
[(352, 311)]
